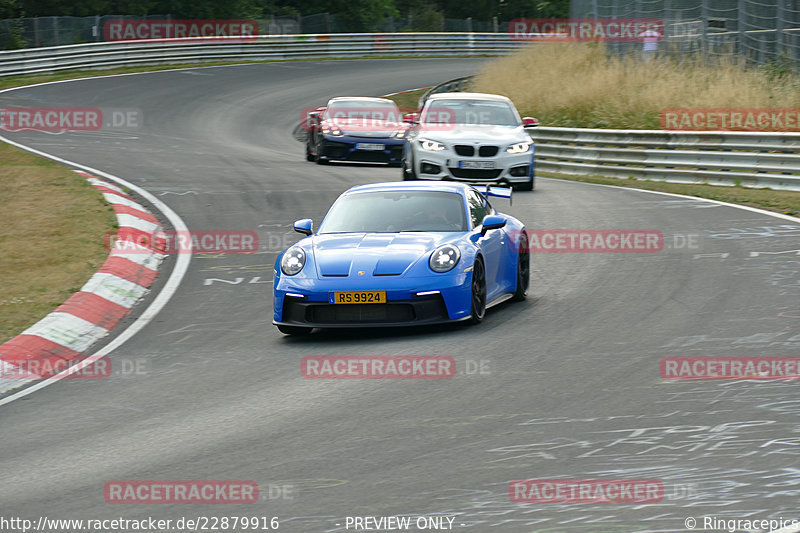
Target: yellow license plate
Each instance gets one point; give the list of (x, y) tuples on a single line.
[(358, 297)]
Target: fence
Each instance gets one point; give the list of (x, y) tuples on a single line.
[(57, 31), (760, 30)]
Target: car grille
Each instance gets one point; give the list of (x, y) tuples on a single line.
[(368, 156), (354, 313), (465, 150), (419, 310), (335, 149), (475, 173), (396, 151)]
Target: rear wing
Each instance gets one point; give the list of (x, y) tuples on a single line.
[(498, 192)]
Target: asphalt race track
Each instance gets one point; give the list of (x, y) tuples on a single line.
[(569, 385)]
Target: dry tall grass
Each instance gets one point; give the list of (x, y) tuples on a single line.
[(580, 85)]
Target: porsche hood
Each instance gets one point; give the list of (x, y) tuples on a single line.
[(372, 254)]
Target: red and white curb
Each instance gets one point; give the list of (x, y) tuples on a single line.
[(89, 314)]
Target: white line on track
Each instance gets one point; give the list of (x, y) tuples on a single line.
[(737, 206)]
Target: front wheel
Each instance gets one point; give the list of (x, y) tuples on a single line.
[(478, 291), (294, 330), (309, 155), (523, 268)]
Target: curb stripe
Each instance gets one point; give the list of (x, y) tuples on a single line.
[(94, 309), (95, 181), (104, 300), (115, 289), (26, 347), (120, 209), (129, 221), (128, 270), (68, 330), (107, 190), (139, 255), (117, 199)]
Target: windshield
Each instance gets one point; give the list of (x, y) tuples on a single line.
[(470, 112), (395, 211), (348, 110)]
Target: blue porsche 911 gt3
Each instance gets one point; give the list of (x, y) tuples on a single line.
[(400, 254)]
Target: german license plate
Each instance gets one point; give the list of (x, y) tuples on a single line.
[(374, 147), (476, 164), (357, 297)]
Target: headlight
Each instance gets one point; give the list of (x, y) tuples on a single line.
[(444, 258), (519, 148), (329, 129), (431, 146), (293, 261), (399, 134)]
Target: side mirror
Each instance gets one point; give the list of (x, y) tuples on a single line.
[(492, 222), (411, 118), (315, 116), (529, 122), (304, 226)]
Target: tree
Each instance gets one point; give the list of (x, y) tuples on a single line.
[(10, 9)]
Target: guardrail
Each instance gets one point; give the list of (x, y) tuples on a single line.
[(754, 160), (256, 48)]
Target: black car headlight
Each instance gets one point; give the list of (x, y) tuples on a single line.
[(293, 261), (444, 258)]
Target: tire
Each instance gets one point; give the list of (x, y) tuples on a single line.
[(408, 173), (523, 268), (294, 330), (319, 159), (309, 155), (477, 292)]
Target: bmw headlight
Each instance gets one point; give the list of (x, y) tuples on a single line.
[(519, 148), (444, 258), (293, 261), (431, 146)]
